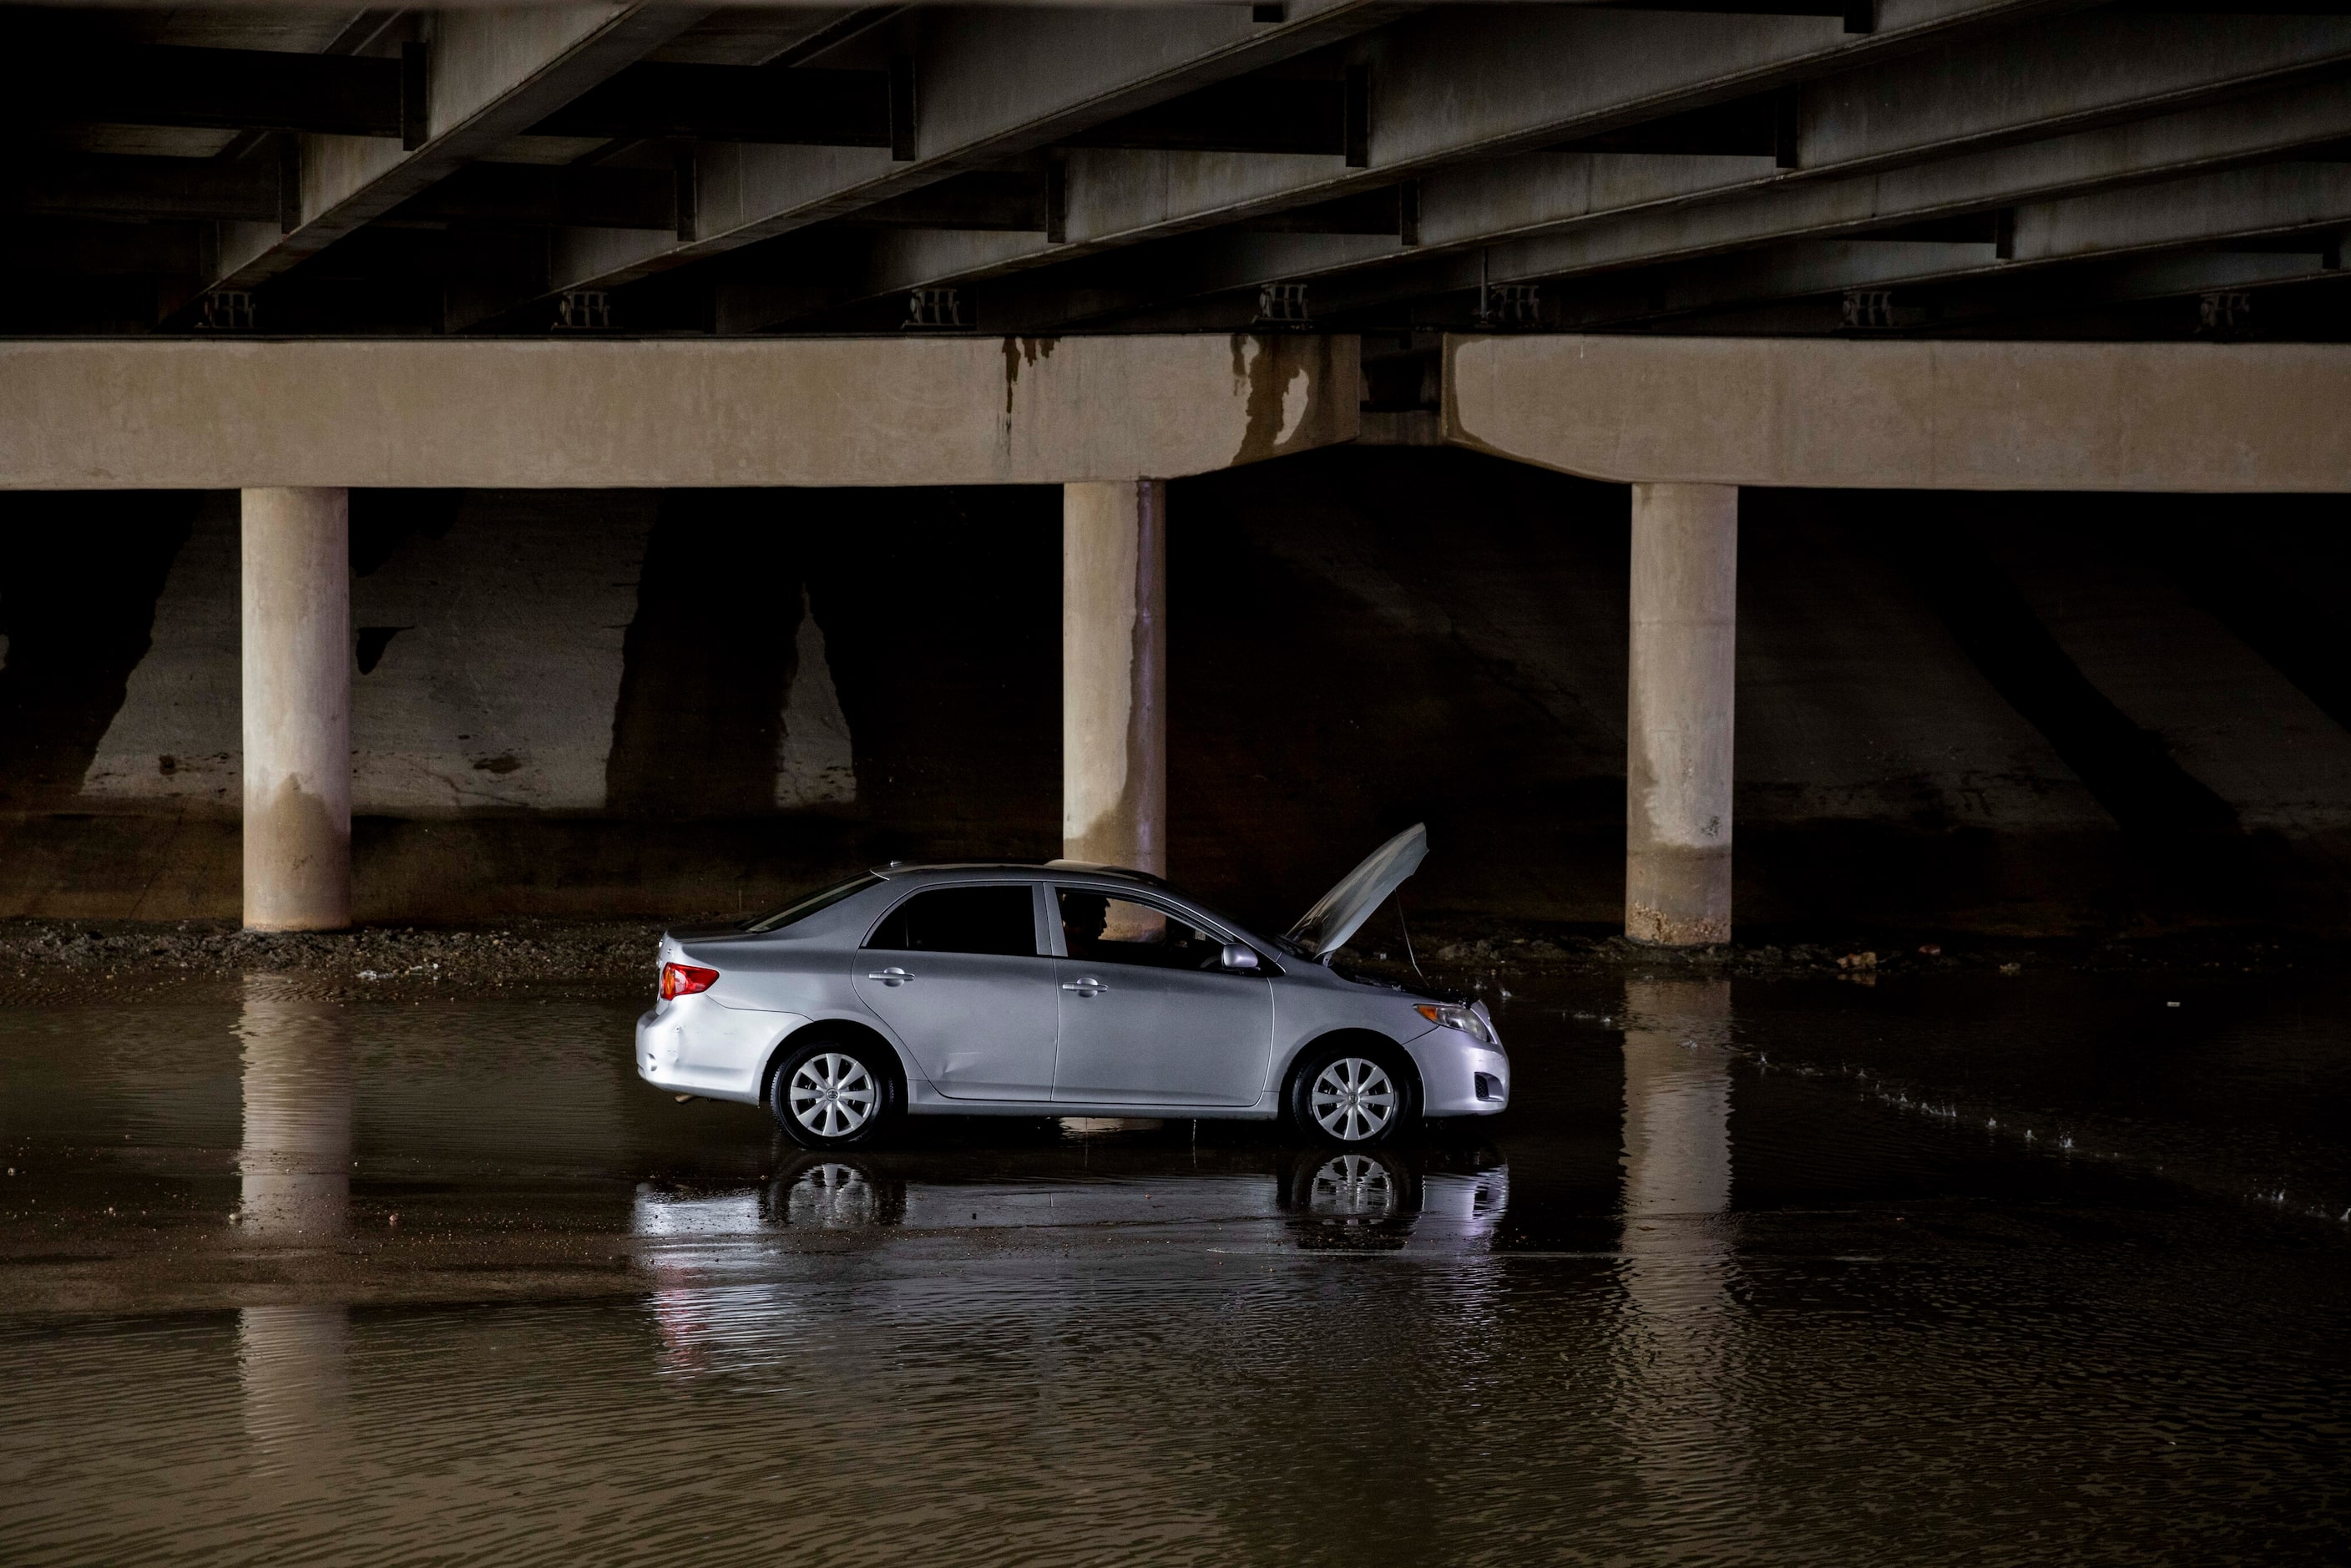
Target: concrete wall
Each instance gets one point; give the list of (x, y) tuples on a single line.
[(2011, 712)]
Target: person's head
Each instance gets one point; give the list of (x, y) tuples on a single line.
[(1084, 916)]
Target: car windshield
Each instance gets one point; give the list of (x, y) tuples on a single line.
[(812, 902)]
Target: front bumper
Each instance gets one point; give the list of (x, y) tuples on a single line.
[(1459, 1077)]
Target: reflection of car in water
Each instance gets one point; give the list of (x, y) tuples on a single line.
[(1062, 989), (1423, 1201), (826, 1192), (751, 1276)]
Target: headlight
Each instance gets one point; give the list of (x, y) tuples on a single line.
[(1462, 1018)]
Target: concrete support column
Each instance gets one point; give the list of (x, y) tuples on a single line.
[(1678, 731), (1115, 673), (297, 710)]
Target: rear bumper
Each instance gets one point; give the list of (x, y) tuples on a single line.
[(695, 1046)]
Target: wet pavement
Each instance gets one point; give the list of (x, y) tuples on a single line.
[(1929, 1270)]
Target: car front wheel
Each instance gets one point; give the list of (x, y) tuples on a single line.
[(832, 1094), (1353, 1093)]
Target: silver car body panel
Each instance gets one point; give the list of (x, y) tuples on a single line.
[(1133, 1035), (1205, 1043), (1341, 913)]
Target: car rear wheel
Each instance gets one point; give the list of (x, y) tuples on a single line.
[(832, 1094), (1351, 1094)]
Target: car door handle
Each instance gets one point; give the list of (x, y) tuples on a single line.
[(891, 975), (1084, 987)]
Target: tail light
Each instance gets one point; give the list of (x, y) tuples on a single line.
[(685, 980)]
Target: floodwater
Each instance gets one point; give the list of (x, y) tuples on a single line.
[(1969, 1269)]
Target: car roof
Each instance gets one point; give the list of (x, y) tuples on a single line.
[(990, 870)]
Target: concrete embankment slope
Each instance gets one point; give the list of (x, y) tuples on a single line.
[(1997, 712)]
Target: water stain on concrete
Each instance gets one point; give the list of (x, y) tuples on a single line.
[(1019, 352)]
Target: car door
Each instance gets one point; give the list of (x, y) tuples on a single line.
[(1149, 1015), (959, 972)]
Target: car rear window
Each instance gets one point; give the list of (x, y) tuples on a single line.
[(1000, 919), (812, 902)]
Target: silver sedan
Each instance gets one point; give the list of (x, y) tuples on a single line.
[(1060, 990)]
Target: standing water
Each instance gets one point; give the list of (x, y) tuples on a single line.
[(1940, 1269)]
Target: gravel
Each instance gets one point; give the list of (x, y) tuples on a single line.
[(45, 960), (41, 958)]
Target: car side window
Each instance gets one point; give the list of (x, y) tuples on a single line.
[(1098, 928), (999, 918)]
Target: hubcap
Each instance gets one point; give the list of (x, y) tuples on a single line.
[(832, 1094), (833, 1197), (1352, 1098), (1352, 1186)]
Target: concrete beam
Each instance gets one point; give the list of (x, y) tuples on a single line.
[(1555, 215), (2063, 189), (1812, 268), (2178, 274), (163, 415), (1608, 66), (1918, 416), (1691, 266), (493, 73), (991, 85)]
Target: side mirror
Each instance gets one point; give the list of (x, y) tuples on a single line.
[(1240, 956)]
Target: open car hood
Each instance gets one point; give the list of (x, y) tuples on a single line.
[(1325, 929)]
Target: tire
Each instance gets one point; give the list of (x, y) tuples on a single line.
[(1353, 1093), (833, 1093)]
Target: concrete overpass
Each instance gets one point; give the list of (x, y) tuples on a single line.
[(1856, 244)]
